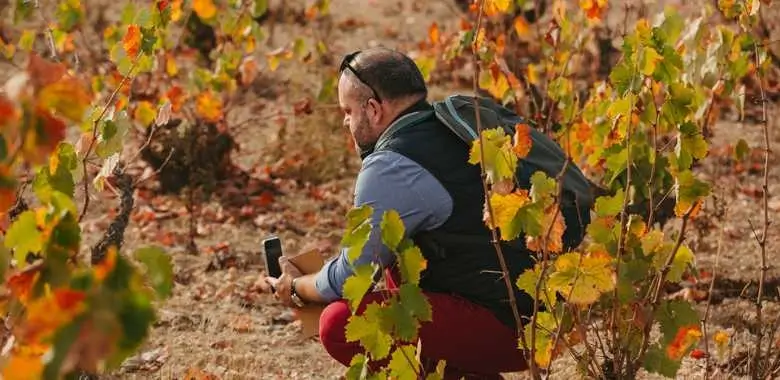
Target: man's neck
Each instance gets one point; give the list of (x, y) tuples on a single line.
[(412, 106)]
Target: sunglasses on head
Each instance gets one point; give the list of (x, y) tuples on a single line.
[(345, 64)]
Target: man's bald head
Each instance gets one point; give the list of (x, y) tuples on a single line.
[(391, 74)]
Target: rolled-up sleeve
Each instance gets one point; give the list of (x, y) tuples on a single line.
[(388, 180)]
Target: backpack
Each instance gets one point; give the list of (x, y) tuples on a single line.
[(457, 113)]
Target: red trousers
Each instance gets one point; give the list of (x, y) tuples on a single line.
[(473, 342)]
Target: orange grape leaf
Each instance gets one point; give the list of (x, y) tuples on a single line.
[(8, 112), (20, 284), (204, 8), (7, 188), (103, 268), (687, 337), (555, 239), (176, 96), (209, 107), (594, 9), (68, 97), (132, 40), (26, 362), (248, 70), (43, 72), (44, 138), (50, 312), (433, 33), (521, 27), (523, 142)]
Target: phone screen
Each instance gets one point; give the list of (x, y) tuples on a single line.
[(273, 251)]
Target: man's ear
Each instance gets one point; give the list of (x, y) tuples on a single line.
[(375, 111)]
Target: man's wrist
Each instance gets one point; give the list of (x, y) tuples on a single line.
[(294, 296)]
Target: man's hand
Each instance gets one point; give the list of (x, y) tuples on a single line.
[(282, 287)]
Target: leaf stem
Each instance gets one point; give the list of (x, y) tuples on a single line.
[(762, 240), (95, 132), (494, 236)]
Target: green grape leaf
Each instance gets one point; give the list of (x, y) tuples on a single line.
[(411, 264), (610, 205), (358, 284), (582, 282), (527, 282), (357, 231), (682, 259), (365, 329), (403, 363), (69, 14), (401, 321), (500, 161), (24, 237), (393, 229), (689, 190), (741, 150), (674, 315), (159, 268), (415, 301), (543, 188), (656, 361), (260, 8), (111, 136)]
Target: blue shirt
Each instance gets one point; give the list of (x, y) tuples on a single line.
[(388, 180)]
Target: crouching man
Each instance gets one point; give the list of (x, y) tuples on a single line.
[(413, 164)]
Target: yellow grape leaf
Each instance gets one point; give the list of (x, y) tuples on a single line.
[(68, 97), (499, 160), (26, 40), (205, 9), (532, 73), (494, 7), (581, 279), (170, 65), (521, 27), (650, 60), (426, 64), (523, 142), (132, 40), (176, 10), (275, 57), (594, 9), (494, 82), (145, 113), (209, 107), (7, 50), (555, 239), (505, 208)]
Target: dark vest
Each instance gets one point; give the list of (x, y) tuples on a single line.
[(461, 258)]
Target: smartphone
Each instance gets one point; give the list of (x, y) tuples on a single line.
[(273, 251)]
